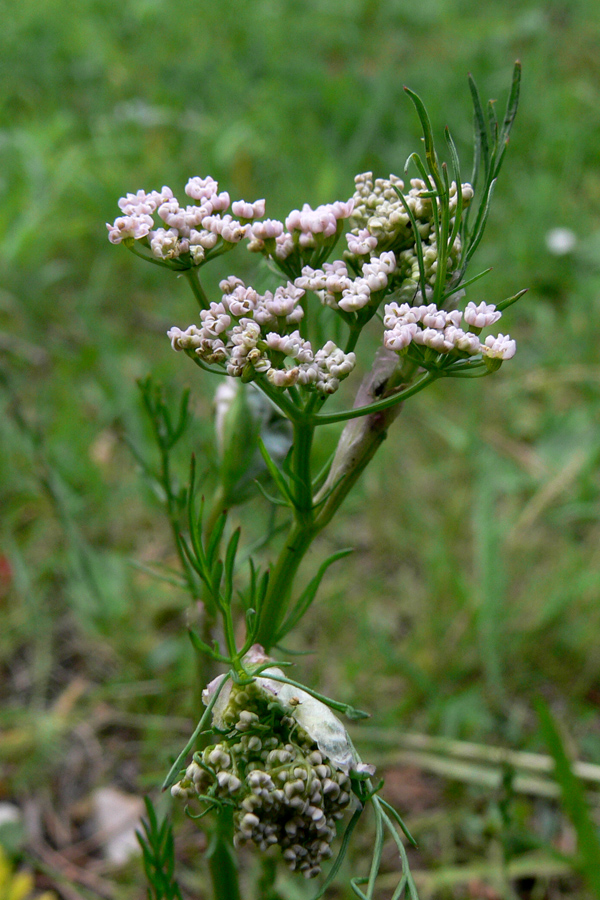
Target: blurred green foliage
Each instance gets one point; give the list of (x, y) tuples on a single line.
[(476, 578)]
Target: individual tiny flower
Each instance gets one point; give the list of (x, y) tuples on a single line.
[(142, 203), (321, 220), (333, 365), (135, 226), (399, 337), (342, 209), (431, 337), (201, 188), (220, 202), (284, 245), (283, 378), (215, 320), (464, 341), (375, 272), (189, 339), (356, 296), (240, 302), (292, 345), (311, 279), (284, 302), (204, 239), (165, 244), (454, 317), (268, 228), (243, 210), (403, 314), (481, 316), (228, 285), (336, 277), (226, 227), (432, 317), (501, 347)]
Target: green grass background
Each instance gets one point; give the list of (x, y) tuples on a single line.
[(476, 579)]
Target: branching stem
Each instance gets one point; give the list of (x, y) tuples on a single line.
[(197, 289)]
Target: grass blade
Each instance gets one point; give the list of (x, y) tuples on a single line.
[(573, 799)]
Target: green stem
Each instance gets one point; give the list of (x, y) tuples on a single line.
[(278, 398), (353, 337), (380, 405), (344, 473), (303, 436), (299, 539), (221, 859), (291, 555), (197, 289)]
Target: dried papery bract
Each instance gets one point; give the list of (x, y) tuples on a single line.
[(270, 760)]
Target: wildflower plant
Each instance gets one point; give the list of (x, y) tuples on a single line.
[(270, 762)]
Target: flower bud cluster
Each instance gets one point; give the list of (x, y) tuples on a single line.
[(187, 232), (379, 219), (286, 791), (303, 231), (335, 288), (253, 333), (441, 330)]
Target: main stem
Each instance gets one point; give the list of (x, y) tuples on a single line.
[(299, 539), (310, 517)]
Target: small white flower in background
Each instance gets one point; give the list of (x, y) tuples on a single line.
[(561, 241)]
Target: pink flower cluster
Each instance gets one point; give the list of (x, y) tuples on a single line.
[(428, 326), (189, 230), (337, 289), (306, 228), (248, 332)]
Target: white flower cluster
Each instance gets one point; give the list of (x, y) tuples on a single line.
[(380, 220), (303, 230), (286, 790), (335, 288), (252, 333), (441, 331), (188, 231)]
